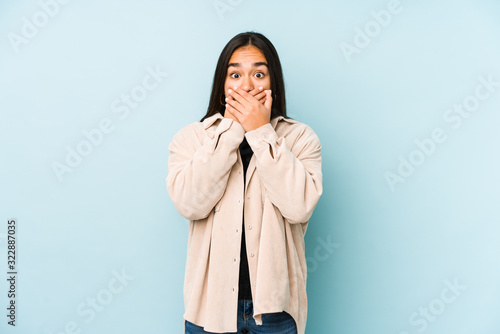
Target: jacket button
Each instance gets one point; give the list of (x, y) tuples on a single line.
[(237, 230), (249, 227), (248, 196), (211, 135), (234, 260), (251, 254)]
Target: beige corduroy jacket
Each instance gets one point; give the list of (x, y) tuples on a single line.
[(283, 186)]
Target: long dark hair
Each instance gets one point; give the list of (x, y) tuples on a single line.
[(217, 96)]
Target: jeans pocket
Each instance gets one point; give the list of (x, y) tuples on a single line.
[(281, 320)]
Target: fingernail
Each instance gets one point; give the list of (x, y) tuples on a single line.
[(235, 87), (227, 98), (261, 88), (230, 91)]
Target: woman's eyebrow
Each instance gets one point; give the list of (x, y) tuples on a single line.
[(257, 64)]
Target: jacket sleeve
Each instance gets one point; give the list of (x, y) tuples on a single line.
[(293, 180), (198, 168)]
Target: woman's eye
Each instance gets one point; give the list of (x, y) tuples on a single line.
[(259, 75), (235, 75)]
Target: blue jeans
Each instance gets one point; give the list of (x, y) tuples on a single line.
[(272, 323)]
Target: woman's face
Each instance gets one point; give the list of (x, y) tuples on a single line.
[(247, 69)]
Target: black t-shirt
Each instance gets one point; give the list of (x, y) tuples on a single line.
[(244, 281)]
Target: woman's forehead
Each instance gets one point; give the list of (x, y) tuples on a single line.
[(247, 55)]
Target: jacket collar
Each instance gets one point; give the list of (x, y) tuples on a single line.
[(212, 119)]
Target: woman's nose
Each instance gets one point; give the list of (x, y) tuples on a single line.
[(247, 84)]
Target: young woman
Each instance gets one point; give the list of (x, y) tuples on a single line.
[(248, 178)]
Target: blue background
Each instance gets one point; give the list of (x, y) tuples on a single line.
[(379, 257)]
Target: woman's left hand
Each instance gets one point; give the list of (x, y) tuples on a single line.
[(249, 112)]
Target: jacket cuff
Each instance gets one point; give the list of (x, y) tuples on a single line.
[(262, 136), (232, 131)]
